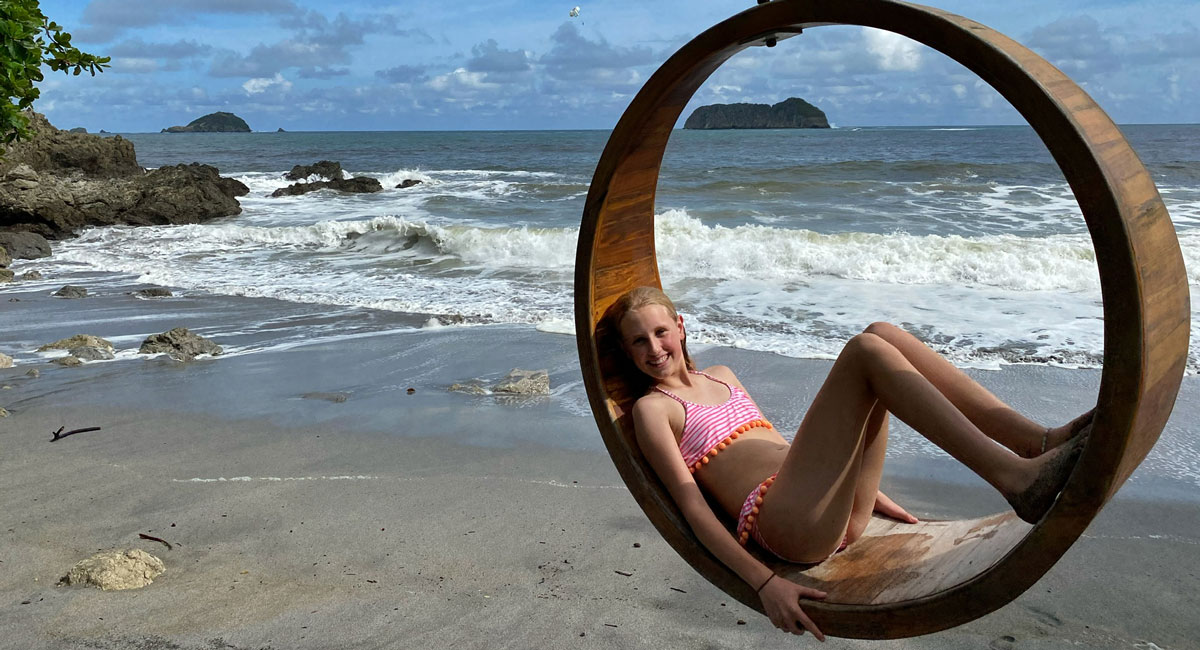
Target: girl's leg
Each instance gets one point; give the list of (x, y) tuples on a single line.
[(832, 471), (992, 416)]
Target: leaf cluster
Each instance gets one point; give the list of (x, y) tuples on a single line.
[(27, 41)]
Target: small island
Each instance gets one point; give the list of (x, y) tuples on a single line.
[(218, 122), (791, 113)]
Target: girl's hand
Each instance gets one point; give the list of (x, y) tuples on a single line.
[(889, 508), (781, 600)]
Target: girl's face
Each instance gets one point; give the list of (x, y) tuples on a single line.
[(653, 340)]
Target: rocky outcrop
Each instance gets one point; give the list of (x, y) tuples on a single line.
[(25, 245), (5, 260), (63, 152), (219, 122), (358, 184), (327, 169), (791, 113), (408, 182), (179, 344), (57, 207), (58, 183)]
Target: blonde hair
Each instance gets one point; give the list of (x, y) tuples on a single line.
[(609, 339)]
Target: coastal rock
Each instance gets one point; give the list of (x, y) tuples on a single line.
[(114, 570), (71, 291), (179, 344), (63, 152), (524, 382), (77, 129), (77, 341), (68, 361), (5, 361), (327, 169), (791, 113), (31, 275), (153, 292), (219, 122), (58, 182), (408, 182), (358, 184), (6, 275), (5, 258), (90, 353), (33, 373), (25, 245)]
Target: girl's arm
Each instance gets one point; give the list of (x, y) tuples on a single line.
[(781, 597)]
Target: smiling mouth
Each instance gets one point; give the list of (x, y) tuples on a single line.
[(658, 362)]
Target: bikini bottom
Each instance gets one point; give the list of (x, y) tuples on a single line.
[(747, 526)]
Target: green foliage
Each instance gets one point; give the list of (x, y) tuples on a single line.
[(27, 41)]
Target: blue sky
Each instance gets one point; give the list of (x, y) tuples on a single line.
[(510, 64)]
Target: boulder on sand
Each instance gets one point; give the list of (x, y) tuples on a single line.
[(77, 341), (179, 344)]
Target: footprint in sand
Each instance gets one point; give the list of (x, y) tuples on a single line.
[(1005, 642)]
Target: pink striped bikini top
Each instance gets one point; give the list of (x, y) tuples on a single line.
[(705, 426)]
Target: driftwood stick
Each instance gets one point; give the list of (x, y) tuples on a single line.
[(58, 435), (155, 539)]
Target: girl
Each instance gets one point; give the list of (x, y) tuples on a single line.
[(803, 502)]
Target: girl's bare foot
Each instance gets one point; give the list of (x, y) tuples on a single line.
[(1055, 436), (1033, 502)]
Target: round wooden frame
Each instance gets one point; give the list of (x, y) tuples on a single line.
[(901, 580)]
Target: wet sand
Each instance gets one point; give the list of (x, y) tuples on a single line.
[(439, 520)]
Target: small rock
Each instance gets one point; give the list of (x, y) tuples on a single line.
[(31, 275), (5, 361), (5, 258), (90, 353), (113, 570), (71, 291), (3, 412), (524, 382), (408, 182), (68, 361), (473, 387), (33, 373), (77, 341), (180, 344), (153, 292), (6, 275), (336, 398)]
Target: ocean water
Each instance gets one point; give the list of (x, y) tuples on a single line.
[(784, 241)]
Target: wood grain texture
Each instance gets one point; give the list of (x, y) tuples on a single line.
[(909, 580)]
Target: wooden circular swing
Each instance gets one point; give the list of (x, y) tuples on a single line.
[(904, 580)]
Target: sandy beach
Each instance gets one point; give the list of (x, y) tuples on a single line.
[(445, 520)]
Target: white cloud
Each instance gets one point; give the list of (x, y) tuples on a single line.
[(892, 51), (262, 84)]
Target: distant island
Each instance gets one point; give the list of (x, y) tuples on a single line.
[(218, 122), (791, 113)]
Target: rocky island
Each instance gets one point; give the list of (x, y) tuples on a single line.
[(219, 122), (791, 113)]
